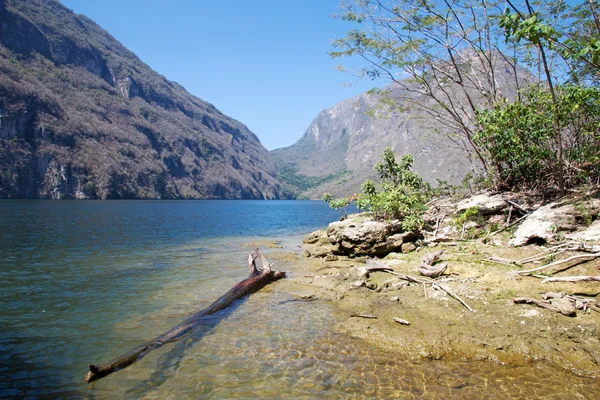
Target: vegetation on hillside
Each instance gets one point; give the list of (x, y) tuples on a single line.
[(81, 116)]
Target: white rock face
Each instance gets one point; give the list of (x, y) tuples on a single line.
[(544, 223), (487, 204), (554, 218), (592, 233)]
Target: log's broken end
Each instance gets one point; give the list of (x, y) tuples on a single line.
[(92, 375), (278, 275)]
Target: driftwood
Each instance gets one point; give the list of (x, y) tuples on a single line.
[(255, 281), (566, 260), (401, 321), (572, 279), (563, 306), (421, 281), (367, 316), (427, 267)]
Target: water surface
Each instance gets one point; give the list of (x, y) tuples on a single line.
[(84, 282)]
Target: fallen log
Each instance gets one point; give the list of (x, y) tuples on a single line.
[(563, 306), (256, 280)]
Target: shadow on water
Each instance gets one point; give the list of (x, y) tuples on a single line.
[(20, 378), (169, 362)]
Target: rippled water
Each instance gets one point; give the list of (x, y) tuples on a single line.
[(84, 282)]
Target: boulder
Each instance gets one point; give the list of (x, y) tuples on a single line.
[(408, 247), (314, 237), (591, 233), (544, 223), (363, 236), (488, 204)]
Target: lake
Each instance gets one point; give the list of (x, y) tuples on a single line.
[(85, 281)]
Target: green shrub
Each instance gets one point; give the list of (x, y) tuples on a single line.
[(401, 193), (521, 144), (339, 204)]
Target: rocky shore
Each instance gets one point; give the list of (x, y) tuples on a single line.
[(484, 305)]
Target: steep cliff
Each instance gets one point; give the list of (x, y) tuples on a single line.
[(342, 144), (82, 117)]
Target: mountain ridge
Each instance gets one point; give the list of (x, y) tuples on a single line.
[(81, 116), (342, 144)]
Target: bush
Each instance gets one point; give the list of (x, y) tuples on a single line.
[(520, 141), (339, 204), (401, 194)]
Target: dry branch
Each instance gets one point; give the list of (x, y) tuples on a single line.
[(500, 260), (563, 306), (572, 279), (254, 282), (401, 321), (566, 260), (517, 205), (425, 281), (367, 316), (509, 225), (452, 294)]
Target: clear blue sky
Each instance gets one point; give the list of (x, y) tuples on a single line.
[(262, 62)]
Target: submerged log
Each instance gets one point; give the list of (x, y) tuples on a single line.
[(257, 280)]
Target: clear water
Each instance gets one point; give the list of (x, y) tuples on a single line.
[(84, 282)]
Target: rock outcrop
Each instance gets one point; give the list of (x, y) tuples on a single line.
[(360, 235), (342, 144), (559, 219)]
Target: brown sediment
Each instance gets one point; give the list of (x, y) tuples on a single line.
[(440, 326)]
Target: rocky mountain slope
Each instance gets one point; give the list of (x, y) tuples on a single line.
[(340, 147), (83, 117)]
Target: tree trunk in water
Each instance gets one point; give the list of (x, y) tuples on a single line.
[(257, 280)]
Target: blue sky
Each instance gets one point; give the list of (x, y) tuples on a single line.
[(262, 62)]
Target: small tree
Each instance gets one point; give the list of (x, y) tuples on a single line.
[(442, 56), (401, 194), (339, 204)]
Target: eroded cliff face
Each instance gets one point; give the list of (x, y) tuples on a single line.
[(341, 146), (82, 117)]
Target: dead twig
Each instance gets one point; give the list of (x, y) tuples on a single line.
[(511, 224), (452, 294), (543, 253), (500, 260), (517, 205)]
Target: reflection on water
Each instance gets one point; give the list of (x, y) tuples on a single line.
[(86, 282)]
